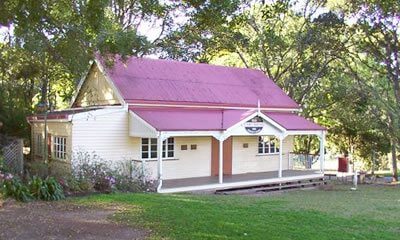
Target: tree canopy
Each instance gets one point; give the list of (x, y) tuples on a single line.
[(338, 59)]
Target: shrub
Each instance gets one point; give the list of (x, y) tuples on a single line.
[(15, 188), (47, 189), (40, 169), (106, 176), (3, 166)]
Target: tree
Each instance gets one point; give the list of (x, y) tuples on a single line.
[(53, 41), (295, 47), (378, 28)]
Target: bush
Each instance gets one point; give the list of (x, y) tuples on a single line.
[(15, 188), (3, 166), (90, 168), (40, 169), (46, 189)]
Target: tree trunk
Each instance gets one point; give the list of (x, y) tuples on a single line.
[(394, 160), (373, 162)]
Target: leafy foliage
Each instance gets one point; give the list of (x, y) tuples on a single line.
[(91, 171), (46, 189), (15, 188), (49, 45), (338, 59)]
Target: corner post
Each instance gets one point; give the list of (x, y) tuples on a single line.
[(322, 152), (280, 156), (221, 160), (159, 161)]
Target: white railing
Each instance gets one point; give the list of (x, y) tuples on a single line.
[(300, 161)]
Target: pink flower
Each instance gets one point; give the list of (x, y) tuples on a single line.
[(8, 176)]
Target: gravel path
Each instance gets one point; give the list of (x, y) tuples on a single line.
[(61, 220)]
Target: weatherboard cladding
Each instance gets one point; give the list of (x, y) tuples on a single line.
[(142, 79)]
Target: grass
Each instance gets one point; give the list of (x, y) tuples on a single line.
[(368, 213)]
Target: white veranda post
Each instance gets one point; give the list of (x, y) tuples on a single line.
[(220, 160), (280, 155), (322, 152), (159, 160)]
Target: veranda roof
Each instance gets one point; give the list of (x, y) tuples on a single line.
[(292, 121), (184, 119)]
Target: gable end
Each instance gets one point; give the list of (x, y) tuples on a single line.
[(96, 89)]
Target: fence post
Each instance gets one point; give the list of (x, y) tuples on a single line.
[(21, 155)]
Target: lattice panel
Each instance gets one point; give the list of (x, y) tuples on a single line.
[(13, 156)]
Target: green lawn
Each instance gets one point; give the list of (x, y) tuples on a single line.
[(368, 213)]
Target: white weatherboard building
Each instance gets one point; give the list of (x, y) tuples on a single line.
[(190, 126)]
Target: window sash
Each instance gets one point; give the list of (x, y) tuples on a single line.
[(149, 148), (268, 145), (60, 147)]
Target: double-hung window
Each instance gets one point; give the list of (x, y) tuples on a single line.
[(60, 147), (268, 145), (38, 144), (149, 148)]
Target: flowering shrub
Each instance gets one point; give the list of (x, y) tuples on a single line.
[(41, 189), (106, 176)]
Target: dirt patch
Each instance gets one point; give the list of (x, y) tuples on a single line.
[(62, 220)]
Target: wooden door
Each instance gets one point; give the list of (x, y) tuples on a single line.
[(227, 156)]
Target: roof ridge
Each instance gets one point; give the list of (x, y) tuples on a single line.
[(119, 58)]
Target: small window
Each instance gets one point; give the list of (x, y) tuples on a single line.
[(268, 145), (60, 147), (245, 145), (149, 148), (183, 147), (38, 141), (193, 147)]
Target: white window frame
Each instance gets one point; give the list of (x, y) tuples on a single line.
[(39, 144), (59, 146), (265, 146), (168, 144)]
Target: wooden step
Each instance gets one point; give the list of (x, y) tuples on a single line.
[(275, 187)]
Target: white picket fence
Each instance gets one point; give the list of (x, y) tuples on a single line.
[(14, 156)]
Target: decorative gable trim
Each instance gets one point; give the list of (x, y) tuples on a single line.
[(108, 79)]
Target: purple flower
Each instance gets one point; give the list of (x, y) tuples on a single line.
[(111, 180)]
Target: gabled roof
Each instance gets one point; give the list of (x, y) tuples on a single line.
[(141, 80)]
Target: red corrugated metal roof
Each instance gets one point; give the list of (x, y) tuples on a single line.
[(179, 119), (62, 114), (292, 121), (142, 79)]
